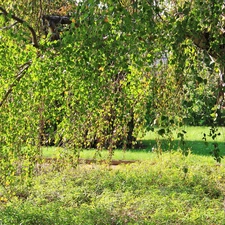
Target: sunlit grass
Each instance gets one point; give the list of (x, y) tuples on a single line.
[(102, 155), (193, 134), (192, 141)]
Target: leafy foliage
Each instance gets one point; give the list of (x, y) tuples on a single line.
[(114, 71)]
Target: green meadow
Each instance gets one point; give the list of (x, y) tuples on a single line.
[(166, 188), (149, 143)]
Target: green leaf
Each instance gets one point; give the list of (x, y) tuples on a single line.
[(161, 132)]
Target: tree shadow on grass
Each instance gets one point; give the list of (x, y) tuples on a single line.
[(196, 147)]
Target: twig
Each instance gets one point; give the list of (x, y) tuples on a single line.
[(10, 26), (21, 73)]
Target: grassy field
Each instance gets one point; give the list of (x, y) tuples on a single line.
[(170, 189), (158, 189), (193, 142)]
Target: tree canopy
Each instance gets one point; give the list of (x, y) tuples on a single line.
[(98, 73)]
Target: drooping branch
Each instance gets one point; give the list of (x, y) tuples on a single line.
[(33, 33), (20, 74)]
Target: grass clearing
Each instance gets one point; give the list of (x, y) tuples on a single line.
[(170, 189), (193, 141)]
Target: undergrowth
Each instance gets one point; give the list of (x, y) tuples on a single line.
[(170, 189)]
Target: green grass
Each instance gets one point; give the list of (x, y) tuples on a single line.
[(158, 189), (103, 154), (170, 189), (193, 141)]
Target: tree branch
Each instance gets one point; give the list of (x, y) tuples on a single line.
[(10, 26), (33, 33), (58, 19), (21, 73)]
